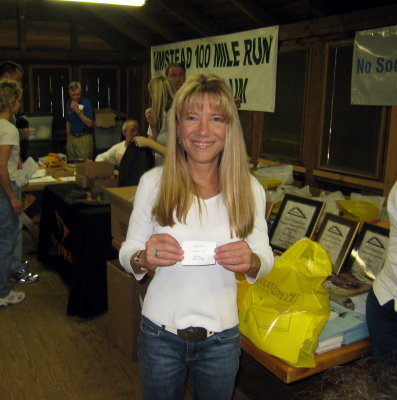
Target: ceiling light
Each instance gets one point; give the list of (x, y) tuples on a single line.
[(136, 3)]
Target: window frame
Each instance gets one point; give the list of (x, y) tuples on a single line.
[(382, 128)]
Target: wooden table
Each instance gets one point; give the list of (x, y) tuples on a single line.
[(324, 361), (288, 373)]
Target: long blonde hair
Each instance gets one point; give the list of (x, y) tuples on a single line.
[(177, 189), (161, 94)]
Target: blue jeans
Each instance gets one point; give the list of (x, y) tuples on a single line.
[(9, 224), (164, 360), (382, 326), (17, 253)]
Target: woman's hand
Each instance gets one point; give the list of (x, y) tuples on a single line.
[(162, 250), (16, 206), (238, 257), (148, 116), (141, 141)]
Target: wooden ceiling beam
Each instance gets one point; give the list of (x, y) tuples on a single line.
[(143, 17), (77, 56), (191, 17), (255, 12), (80, 15), (121, 25)]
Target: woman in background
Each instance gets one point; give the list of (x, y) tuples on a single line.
[(10, 196), (195, 222), (161, 94)]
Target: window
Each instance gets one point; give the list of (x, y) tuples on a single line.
[(353, 135), (284, 128), (101, 86), (49, 91)]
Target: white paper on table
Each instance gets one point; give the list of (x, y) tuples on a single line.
[(39, 173), (44, 179), (67, 178), (28, 169)]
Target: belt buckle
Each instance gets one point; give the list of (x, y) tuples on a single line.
[(192, 334)]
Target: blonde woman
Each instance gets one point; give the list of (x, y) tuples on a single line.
[(162, 94), (10, 197), (196, 221)]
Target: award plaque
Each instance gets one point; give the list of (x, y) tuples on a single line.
[(336, 235), (296, 219), (369, 252)]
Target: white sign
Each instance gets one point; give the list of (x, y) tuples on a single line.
[(374, 71), (246, 60)]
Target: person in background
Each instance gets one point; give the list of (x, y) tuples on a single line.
[(130, 129), (10, 195), (176, 74), (196, 221), (79, 122), (382, 298), (19, 268), (161, 94)]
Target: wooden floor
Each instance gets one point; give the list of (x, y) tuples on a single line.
[(47, 355)]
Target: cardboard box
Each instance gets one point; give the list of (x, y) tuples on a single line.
[(82, 180), (92, 169), (57, 172), (105, 118), (100, 183), (121, 202), (125, 299)]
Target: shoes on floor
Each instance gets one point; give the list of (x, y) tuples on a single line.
[(23, 275), (12, 298)]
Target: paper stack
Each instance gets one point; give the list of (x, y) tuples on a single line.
[(343, 327)]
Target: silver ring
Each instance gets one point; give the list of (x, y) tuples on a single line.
[(157, 253)]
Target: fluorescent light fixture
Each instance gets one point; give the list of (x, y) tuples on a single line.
[(136, 3)]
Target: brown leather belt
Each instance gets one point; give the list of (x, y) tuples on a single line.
[(190, 334)]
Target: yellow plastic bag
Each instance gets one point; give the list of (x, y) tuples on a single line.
[(284, 312), (358, 210)]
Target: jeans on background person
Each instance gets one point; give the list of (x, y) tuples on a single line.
[(9, 225), (213, 363), (17, 253), (382, 326)]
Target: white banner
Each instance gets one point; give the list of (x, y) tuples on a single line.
[(374, 71), (246, 60)]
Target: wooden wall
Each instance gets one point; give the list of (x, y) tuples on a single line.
[(38, 42)]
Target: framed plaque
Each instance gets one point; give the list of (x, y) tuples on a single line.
[(336, 235), (296, 219), (369, 252)]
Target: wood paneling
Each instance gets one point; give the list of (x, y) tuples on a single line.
[(9, 34), (47, 35)]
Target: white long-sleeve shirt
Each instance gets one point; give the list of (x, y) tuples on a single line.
[(385, 284), (113, 155), (182, 296)]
